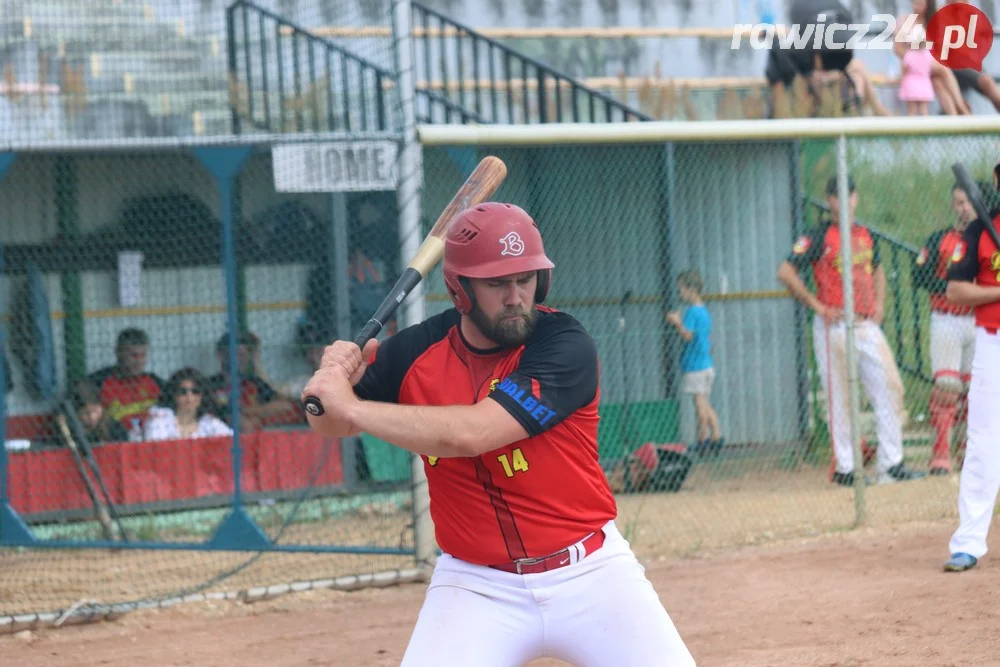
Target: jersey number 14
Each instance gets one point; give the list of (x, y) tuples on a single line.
[(516, 462)]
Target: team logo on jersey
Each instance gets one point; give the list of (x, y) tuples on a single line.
[(512, 244), (922, 257), (802, 245), (432, 461), (493, 384), (995, 264), (959, 253)]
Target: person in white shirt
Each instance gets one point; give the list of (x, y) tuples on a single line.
[(185, 413)]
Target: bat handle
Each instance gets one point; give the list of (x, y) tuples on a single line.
[(312, 404)]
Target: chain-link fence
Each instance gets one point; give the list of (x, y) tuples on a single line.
[(163, 311), (125, 272), (668, 245)]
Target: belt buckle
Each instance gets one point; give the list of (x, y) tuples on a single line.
[(527, 561)]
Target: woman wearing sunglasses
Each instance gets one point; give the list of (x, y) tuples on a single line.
[(186, 412)]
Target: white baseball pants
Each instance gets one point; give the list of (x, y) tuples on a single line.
[(878, 376), (977, 492), (600, 611), (953, 342)]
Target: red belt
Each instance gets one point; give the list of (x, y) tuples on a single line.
[(991, 330), (555, 561)]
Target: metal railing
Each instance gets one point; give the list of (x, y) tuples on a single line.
[(478, 78), (285, 79)]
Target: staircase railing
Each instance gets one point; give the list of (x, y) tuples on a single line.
[(285, 79), (457, 68)]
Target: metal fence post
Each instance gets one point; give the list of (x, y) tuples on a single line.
[(13, 530), (410, 235), (851, 356), (238, 530)]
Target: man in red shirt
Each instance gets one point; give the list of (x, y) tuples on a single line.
[(260, 404), (877, 371), (499, 396), (953, 332), (127, 391), (974, 282)]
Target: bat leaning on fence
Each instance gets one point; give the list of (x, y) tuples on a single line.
[(478, 187), (100, 509), (76, 440)]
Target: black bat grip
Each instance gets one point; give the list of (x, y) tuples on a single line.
[(410, 278), (370, 330)]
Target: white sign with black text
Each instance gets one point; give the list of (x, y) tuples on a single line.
[(335, 166)]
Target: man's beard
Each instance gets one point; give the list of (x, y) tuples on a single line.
[(504, 332)]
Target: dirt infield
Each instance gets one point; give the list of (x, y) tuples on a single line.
[(867, 597), (721, 506)]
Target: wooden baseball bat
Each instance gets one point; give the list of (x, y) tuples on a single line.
[(478, 187), (976, 199), (100, 510)]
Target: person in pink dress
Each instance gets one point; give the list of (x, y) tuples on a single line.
[(916, 87)]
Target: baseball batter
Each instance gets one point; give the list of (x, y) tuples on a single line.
[(974, 281), (953, 331), (879, 376), (499, 396)]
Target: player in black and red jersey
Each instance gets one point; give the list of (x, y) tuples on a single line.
[(821, 251), (974, 281), (953, 333), (499, 396), (127, 391)]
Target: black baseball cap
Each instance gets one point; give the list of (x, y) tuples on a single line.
[(831, 185)]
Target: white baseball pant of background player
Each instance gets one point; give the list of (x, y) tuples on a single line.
[(600, 611), (880, 379), (953, 343), (980, 481)]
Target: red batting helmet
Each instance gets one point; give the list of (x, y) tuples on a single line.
[(492, 240)]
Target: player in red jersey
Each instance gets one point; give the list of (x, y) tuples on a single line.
[(499, 396), (974, 281), (953, 333), (127, 391), (877, 370)]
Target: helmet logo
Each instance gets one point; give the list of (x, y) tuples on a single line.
[(512, 244)]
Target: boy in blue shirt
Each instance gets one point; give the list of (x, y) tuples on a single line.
[(696, 360)]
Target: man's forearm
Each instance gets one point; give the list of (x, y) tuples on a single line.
[(442, 431), (791, 280), (970, 294), (880, 285)]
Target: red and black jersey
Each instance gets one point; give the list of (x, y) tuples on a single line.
[(821, 250), (930, 269), (253, 392), (977, 259), (127, 397), (530, 498)]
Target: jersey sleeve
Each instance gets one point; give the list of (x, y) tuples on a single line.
[(556, 376), (380, 383), (807, 248), (925, 266), (396, 354), (965, 260)]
